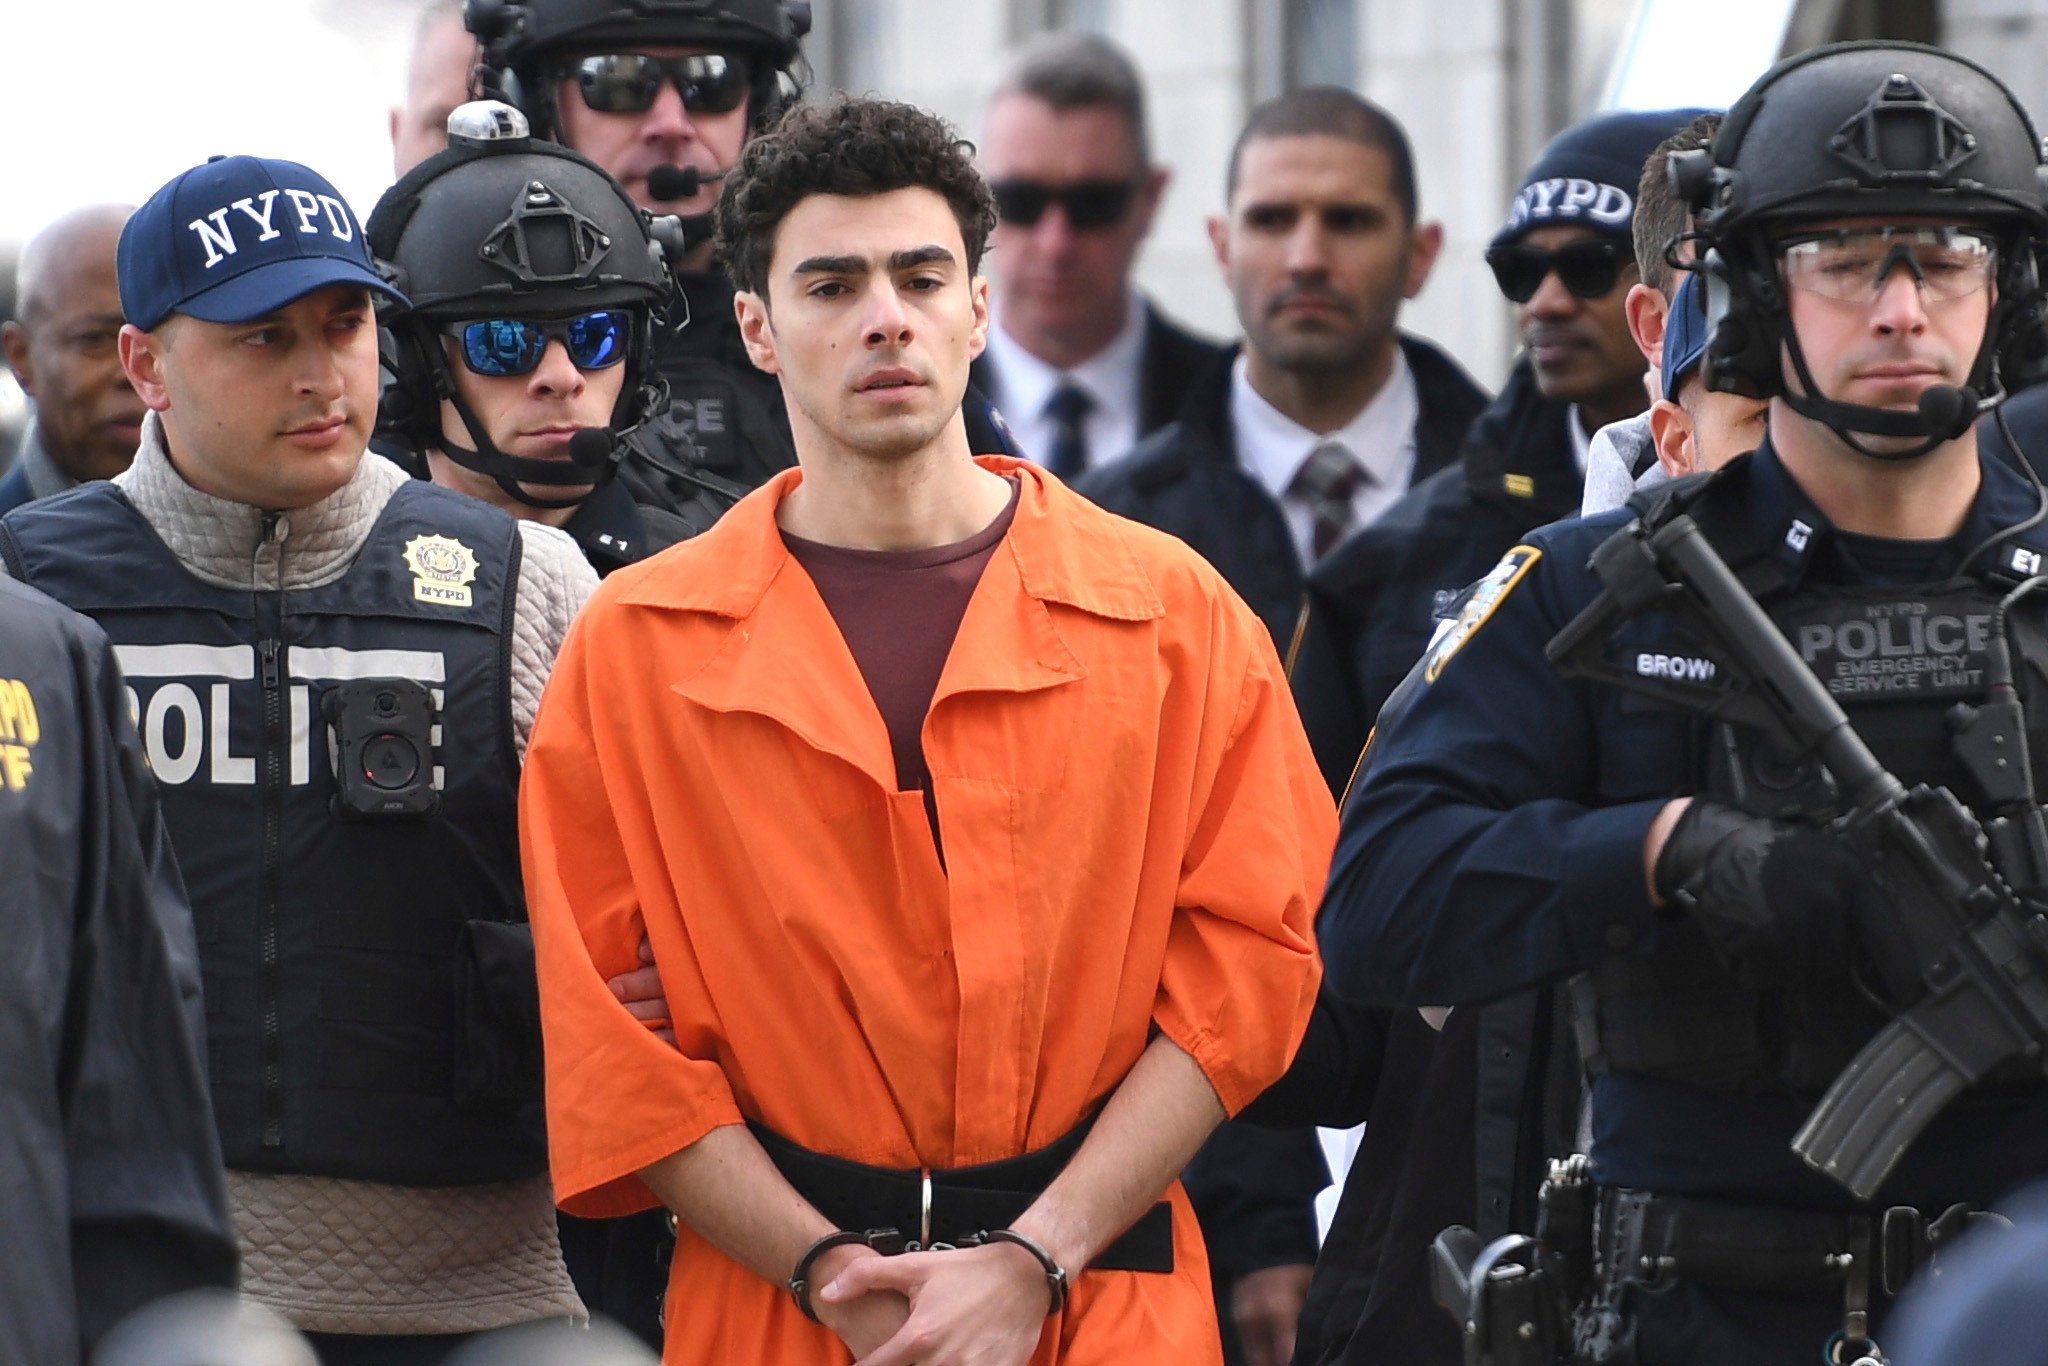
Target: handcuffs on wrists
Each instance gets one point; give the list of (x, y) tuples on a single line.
[(1055, 1274), (886, 1241), (889, 1242)]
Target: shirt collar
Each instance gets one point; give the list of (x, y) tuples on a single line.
[(1582, 444), (44, 478), (1792, 530), (1028, 382), (1066, 551), (1272, 445), (218, 539)]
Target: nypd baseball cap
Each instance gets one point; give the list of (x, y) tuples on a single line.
[(1685, 334), (238, 238)]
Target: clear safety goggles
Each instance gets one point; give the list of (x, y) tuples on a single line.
[(1853, 264)]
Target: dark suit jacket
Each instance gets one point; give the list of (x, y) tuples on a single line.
[(1254, 1191), (1171, 363), (1187, 479), (1459, 1122), (1375, 599)]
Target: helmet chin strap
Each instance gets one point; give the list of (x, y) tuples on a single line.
[(1944, 413), (509, 472)]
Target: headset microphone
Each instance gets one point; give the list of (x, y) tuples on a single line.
[(590, 449), (1947, 411), (678, 182)]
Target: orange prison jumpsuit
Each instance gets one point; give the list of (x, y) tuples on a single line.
[(1135, 837)]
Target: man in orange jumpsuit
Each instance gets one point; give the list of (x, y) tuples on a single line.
[(972, 828)]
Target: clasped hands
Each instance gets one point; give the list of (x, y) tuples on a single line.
[(970, 1306)]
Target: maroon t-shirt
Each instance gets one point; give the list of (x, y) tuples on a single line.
[(899, 611)]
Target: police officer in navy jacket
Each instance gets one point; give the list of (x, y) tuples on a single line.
[(334, 666), (1873, 213)]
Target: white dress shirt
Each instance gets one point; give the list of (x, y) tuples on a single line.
[(1582, 440), (1024, 384), (1381, 437)]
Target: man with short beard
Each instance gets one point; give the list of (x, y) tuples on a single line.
[(664, 94), (970, 826), (1564, 259), (1326, 413), (1318, 422), (1450, 1135)]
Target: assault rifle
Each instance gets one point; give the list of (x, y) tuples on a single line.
[(1968, 955)]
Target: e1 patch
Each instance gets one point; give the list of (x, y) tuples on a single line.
[(1480, 601)]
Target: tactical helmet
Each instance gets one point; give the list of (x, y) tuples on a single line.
[(501, 224), (525, 42), (1880, 130)]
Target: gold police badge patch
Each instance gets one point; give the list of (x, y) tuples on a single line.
[(1480, 601), (442, 568)]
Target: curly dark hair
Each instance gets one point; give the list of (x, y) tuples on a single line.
[(851, 146)]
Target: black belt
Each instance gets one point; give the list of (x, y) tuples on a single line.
[(950, 1206), (1650, 1237)]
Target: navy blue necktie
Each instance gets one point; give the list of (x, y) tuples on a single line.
[(1068, 408)]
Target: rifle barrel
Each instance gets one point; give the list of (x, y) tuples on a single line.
[(1807, 708)]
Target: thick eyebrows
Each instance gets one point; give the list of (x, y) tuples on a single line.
[(830, 265), (908, 259), (920, 256)]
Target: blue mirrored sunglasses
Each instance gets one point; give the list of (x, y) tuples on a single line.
[(505, 347)]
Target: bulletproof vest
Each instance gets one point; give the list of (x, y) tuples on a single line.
[(330, 945), (725, 431), (1897, 660)]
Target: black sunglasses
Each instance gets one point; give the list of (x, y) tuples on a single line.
[(504, 347), (630, 82), (1088, 203), (1587, 269)]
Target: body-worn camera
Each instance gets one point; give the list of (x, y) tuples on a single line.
[(379, 733)]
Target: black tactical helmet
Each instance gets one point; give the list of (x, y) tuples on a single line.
[(1878, 130), (501, 224), (526, 43)]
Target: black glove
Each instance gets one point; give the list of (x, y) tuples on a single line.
[(1776, 898)]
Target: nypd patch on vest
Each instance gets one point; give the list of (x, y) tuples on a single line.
[(442, 568), (1906, 649), (1480, 601)]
